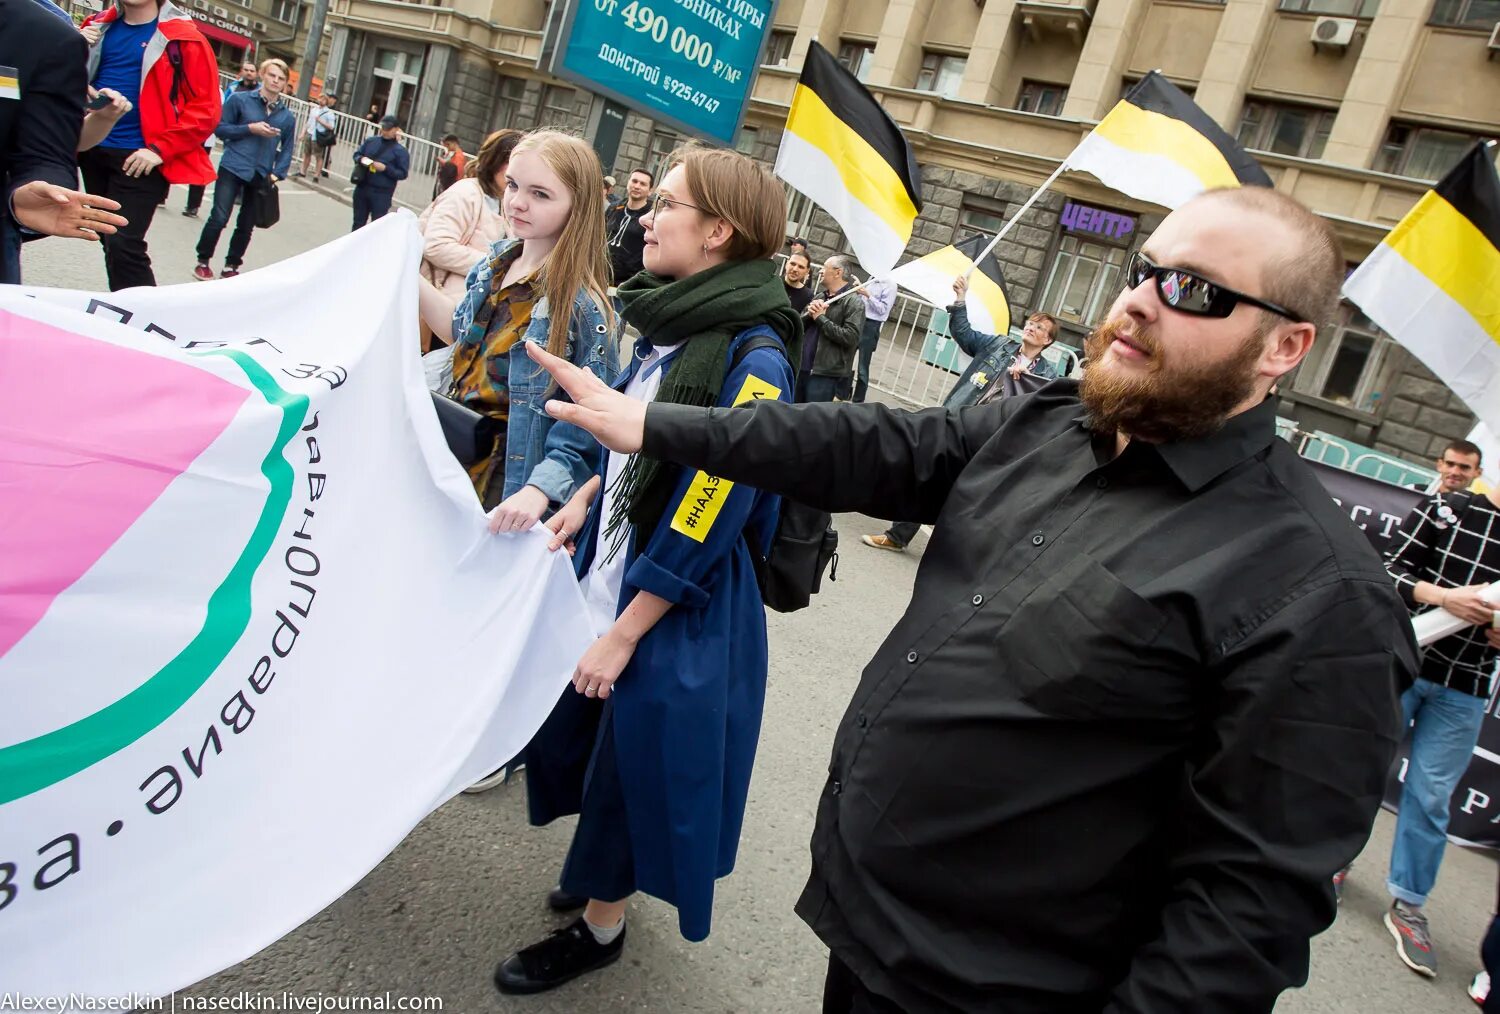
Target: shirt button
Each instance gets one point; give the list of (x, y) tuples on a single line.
[(1101, 482), (978, 600), (1038, 539), (860, 720), (911, 656), (837, 787)]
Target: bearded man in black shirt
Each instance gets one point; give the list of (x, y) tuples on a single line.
[(1142, 703)]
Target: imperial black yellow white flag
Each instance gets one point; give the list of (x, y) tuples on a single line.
[(1156, 145), (931, 277), (1433, 283), (843, 150)]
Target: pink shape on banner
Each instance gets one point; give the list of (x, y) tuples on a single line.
[(91, 434)]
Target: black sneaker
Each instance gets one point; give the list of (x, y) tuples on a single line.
[(561, 901), (189, 212), (564, 956)]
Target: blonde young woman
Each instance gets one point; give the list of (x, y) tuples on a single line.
[(659, 770), (546, 284)]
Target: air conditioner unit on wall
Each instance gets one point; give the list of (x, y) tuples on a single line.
[(1335, 33), (240, 19), (260, 26), (220, 12), (202, 5)]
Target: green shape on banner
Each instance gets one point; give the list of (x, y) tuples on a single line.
[(35, 764)]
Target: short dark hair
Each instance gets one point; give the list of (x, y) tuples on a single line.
[(1465, 447), (1047, 319), (804, 257), (450, 137), (644, 172)]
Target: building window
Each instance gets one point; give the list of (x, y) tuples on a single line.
[(857, 58), (746, 142), (285, 10), (973, 221), (663, 143), (799, 209), (1483, 14), (394, 82), (1421, 152), (560, 107), (509, 98), (941, 73), (1285, 130), (1041, 97), (779, 49), (1340, 8), (1084, 280), (1349, 371)]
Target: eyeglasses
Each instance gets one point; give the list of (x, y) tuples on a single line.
[(671, 202), (1192, 293)]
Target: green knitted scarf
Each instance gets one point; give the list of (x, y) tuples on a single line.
[(705, 310)]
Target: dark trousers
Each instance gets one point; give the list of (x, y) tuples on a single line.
[(370, 204), (126, 260), (822, 388), (843, 993), (195, 197), (902, 532), (868, 339), (227, 190)]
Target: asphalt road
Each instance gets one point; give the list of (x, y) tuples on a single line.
[(467, 886)]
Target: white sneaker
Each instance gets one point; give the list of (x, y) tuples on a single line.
[(494, 778), (1479, 989)]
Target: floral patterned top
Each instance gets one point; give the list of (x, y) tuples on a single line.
[(481, 362)]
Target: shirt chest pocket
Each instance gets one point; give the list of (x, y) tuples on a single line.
[(1084, 645)]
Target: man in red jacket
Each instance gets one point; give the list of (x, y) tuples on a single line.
[(153, 54)]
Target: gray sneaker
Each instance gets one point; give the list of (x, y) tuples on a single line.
[(1413, 942)]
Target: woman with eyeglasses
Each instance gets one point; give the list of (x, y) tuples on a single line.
[(546, 284), (653, 744)]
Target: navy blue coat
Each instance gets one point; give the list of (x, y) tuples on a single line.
[(687, 708)]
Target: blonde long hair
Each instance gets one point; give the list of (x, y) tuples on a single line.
[(580, 259)]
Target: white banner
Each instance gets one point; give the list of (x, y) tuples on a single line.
[(252, 629)]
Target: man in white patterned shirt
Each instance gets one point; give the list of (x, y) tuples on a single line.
[(1447, 552)]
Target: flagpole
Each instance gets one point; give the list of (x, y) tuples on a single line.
[(1004, 229)]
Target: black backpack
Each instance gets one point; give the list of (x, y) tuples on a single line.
[(805, 543)]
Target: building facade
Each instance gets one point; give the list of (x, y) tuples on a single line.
[(1353, 106)]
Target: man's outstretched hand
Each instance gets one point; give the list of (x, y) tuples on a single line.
[(46, 208), (616, 421)]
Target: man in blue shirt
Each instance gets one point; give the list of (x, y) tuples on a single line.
[(384, 161), (258, 132)]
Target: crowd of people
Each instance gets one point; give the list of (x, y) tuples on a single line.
[(1149, 671)]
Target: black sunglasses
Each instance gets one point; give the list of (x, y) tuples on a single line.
[(1192, 293)]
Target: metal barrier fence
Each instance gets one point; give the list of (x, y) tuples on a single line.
[(414, 192)]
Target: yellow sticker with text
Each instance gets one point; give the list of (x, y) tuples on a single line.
[(706, 494)]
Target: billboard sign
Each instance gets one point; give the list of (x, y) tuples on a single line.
[(685, 63)]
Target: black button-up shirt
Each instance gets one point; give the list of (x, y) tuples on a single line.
[(1138, 712)]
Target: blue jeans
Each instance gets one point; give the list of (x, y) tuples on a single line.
[(821, 388), (1444, 728), (869, 337)]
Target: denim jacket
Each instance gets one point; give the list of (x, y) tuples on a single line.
[(992, 353), (555, 457)]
